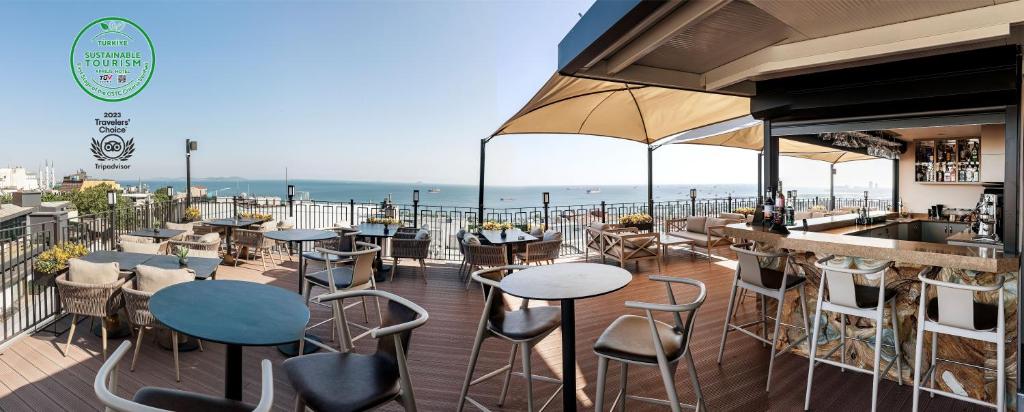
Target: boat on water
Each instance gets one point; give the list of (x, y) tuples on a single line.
[(593, 191), (507, 199), (434, 190)]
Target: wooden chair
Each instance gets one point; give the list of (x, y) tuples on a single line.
[(630, 246), (704, 233), (342, 276), (151, 399), (382, 377), (595, 238), (345, 242)]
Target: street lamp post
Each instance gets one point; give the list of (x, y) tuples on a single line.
[(190, 145), (547, 200), (112, 204), (291, 200), (416, 208), (693, 202)]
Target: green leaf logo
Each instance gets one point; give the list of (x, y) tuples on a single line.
[(105, 26)]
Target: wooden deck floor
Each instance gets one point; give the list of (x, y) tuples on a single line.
[(34, 375)]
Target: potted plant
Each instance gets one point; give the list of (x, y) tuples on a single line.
[(54, 261), (746, 211), (640, 221), (182, 253), (192, 214), (492, 225)]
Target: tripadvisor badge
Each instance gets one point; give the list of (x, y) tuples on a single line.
[(112, 59)]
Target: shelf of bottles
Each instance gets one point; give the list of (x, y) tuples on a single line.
[(948, 160)]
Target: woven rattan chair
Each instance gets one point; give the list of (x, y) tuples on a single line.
[(462, 249), (136, 303), (187, 227), (201, 229), (134, 239), (538, 252), (405, 245), (83, 299), (483, 256), (254, 241), (196, 246)]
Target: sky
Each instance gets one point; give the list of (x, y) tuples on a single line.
[(365, 91)]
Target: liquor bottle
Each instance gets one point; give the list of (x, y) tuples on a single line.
[(780, 204), (769, 206), (790, 210)]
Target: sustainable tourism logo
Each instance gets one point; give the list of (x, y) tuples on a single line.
[(112, 59)]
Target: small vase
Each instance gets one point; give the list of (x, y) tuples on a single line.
[(386, 229), (183, 261), (503, 234)]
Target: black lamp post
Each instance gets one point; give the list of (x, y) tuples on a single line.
[(865, 199), (190, 145), (547, 200), (416, 208), (291, 200), (693, 202), (112, 204)]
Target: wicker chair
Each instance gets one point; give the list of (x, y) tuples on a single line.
[(134, 239), (542, 251), (462, 249), (255, 242), (136, 303), (187, 227), (201, 229), (630, 246), (196, 246), (94, 300), (483, 256), (405, 245)]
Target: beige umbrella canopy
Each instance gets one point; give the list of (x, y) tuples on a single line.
[(750, 135), (645, 114)]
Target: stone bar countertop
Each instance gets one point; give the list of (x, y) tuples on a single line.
[(834, 238)]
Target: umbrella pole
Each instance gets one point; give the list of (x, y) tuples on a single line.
[(650, 180), (480, 206), (760, 166), (831, 186)]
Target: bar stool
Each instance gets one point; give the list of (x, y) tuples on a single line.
[(524, 327), (767, 283), (851, 299), (339, 276), (953, 311), (642, 340)]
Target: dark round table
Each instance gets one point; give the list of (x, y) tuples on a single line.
[(235, 313), (297, 237), (566, 282)]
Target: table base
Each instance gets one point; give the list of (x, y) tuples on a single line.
[(233, 373), (292, 349), (116, 329), (568, 355)]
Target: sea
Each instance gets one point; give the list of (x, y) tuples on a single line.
[(466, 195)]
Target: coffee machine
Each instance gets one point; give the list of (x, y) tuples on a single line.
[(989, 210)]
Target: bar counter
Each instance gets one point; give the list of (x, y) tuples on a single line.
[(838, 235)]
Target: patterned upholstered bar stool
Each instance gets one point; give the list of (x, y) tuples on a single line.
[(953, 311), (523, 328), (848, 298), (631, 339), (767, 283)]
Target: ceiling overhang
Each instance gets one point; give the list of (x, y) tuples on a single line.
[(726, 46)]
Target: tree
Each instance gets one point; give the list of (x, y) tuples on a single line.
[(94, 200)]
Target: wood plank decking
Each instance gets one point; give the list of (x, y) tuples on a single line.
[(34, 374)]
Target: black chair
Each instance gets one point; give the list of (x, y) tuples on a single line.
[(525, 326), (348, 381), (345, 242), (150, 398)]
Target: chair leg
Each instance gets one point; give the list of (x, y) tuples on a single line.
[(842, 340), (469, 276), (300, 404), (623, 380), (394, 267), (813, 343), (138, 344), (728, 317), (764, 318), (602, 377), (528, 372), (935, 356), (103, 332), (918, 354), (701, 406), (1001, 370), (668, 379), (896, 341), (71, 335), (473, 356), (423, 270), (775, 338), (877, 375), (263, 259), (174, 347), (366, 312), (508, 374)]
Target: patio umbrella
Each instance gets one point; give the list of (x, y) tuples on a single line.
[(635, 112), (748, 133)]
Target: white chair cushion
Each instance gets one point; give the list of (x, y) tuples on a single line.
[(552, 235), (470, 239), (598, 226), (152, 279), (697, 224), (147, 248), (212, 237), (422, 234), (81, 271), (714, 221), (537, 232), (187, 227)]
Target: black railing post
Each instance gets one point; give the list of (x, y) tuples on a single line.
[(352, 212), (693, 202), (547, 200), (602, 212), (234, 206), (729, 206), (415, 208)]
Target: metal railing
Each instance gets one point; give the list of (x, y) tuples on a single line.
[(28, 301)]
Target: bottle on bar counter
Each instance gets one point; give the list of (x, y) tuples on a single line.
[(790, 210), (780, 205), (769, 206)]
